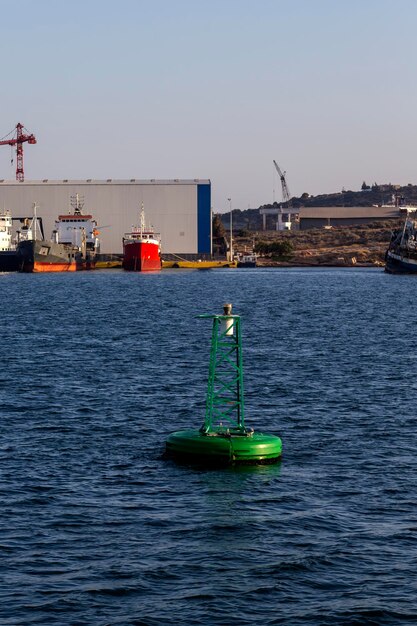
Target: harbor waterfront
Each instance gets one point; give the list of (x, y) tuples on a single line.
[(99, 367)]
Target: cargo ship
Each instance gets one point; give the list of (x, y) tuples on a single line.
[(401, 256), (73, 246), (10, 259), (141, 248)]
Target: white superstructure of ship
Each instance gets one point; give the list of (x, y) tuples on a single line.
[(77, 229), (6, 241)]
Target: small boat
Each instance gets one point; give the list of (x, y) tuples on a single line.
[(246, 259), (141, 248), (73, 246), (401, 255)]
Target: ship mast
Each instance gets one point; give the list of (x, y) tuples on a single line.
[(142, 220), (77, 203), (35, 220)]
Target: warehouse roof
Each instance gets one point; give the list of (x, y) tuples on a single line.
[(113, 181), (345, 212)]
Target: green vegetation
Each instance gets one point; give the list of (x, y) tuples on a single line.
[(218, 227), (276, 250)]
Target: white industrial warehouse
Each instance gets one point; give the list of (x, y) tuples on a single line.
[(180, 210)]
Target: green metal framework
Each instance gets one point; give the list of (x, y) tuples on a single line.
[(225, 404)]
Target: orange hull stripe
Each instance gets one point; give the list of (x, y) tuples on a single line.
[(54, 267)]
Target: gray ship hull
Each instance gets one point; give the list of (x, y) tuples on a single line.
[(48, 256)]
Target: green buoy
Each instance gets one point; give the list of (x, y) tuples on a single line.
[(223, 437)]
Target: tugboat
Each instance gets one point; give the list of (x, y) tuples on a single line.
[(141, 248), (246, 259), (73, 246), (401, 256)]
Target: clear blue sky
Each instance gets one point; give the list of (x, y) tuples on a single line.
[(214, 89)]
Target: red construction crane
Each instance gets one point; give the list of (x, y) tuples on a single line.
[(18, 141)]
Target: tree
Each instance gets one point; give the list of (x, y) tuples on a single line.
[(282, 249), (277, 249), (218, 226)]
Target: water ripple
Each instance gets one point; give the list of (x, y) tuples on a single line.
[(97, 529)]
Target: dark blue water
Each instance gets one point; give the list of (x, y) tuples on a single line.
[(95, 529)]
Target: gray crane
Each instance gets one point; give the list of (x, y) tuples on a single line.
[(285, 191)]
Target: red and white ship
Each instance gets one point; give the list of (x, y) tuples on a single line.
[(141, 248)]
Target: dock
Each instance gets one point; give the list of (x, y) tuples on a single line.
[(199, 265)]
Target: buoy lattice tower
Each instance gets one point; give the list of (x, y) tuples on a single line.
[(223, 437), (225, 407)]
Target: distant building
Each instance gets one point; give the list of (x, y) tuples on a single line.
[(286, 217), (320, 217)]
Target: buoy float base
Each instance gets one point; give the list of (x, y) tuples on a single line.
[(221, 447)]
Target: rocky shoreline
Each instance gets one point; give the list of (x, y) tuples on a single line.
[(353, 246)]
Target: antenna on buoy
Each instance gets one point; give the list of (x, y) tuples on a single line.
[(223, 437)]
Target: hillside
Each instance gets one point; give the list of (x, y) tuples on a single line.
[(372, 196), (340, 246)]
